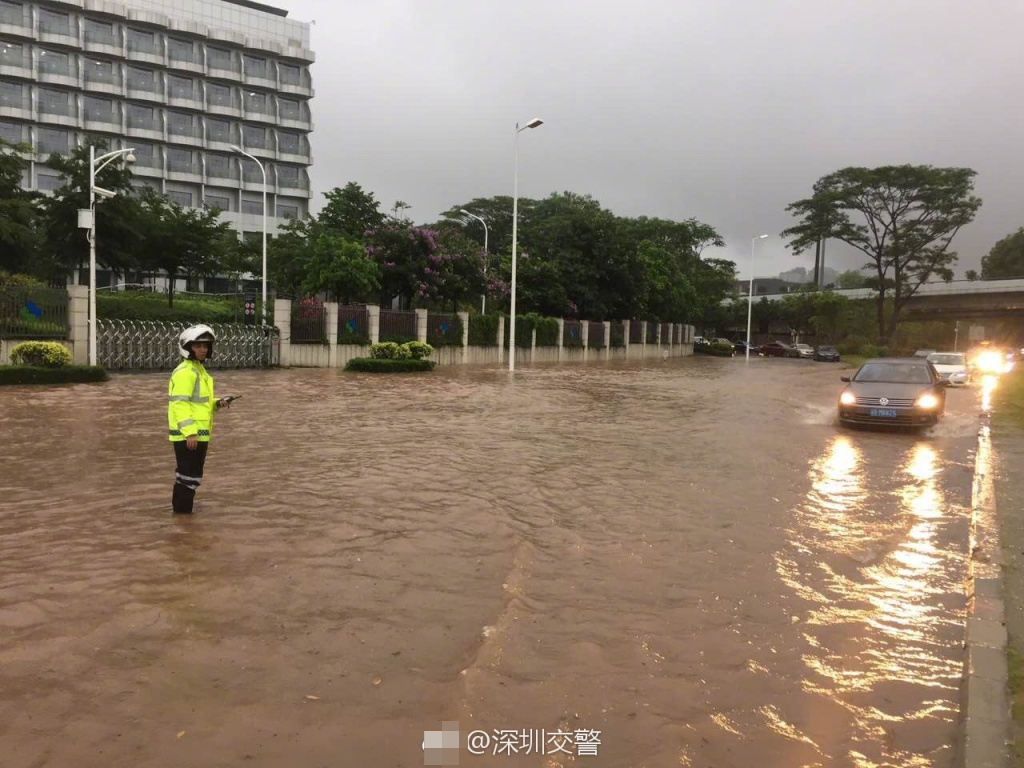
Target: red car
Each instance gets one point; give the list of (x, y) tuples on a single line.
[(776, 349)]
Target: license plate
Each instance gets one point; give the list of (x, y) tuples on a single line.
[(883, 413)]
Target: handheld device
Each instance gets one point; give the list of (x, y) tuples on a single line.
[(230, 398)]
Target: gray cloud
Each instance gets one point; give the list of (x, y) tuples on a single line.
[(725, 110)]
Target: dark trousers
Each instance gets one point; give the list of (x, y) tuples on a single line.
[(188, 475)]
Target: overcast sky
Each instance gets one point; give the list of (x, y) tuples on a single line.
[(723, 110)]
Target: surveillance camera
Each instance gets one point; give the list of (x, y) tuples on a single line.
[(104, 193), (130, 158)]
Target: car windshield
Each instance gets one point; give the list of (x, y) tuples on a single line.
[(899, 373), (826, 349), (949, 359), (803, 346)]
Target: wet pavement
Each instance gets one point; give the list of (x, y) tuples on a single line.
[(687, 556)]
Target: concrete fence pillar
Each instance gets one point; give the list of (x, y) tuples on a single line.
[(464, 319), (585, 336), (421, 325), (643, 338), (607, 339), (501, 338), (78, 323), (533, 345), (373, 322), (332, 333), (561, 337), (283, 322), (625, 335)]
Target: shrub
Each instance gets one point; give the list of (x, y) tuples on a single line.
[(483, 330), (69, 374), (384, 365), (42, 354), (717, 350), (388, 350), (852, 345), (873, 350), (547, 331), (18, 280), (418, 350)]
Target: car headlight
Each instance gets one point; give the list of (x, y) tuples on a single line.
[(847, 398), (927, 401), (990, 362)]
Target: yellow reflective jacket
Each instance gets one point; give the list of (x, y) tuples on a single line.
[(190, 402)]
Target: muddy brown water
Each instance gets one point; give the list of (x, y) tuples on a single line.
[(687, 556)]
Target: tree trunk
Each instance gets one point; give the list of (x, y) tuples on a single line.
[(817, 263), (172, 278)]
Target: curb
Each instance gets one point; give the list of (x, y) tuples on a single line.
[(985, 702)]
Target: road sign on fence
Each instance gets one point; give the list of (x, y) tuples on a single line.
[(250, 309)]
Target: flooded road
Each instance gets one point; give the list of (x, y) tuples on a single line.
[(687, 556)]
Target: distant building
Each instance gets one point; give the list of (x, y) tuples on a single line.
[(764, 286), (797, 275)]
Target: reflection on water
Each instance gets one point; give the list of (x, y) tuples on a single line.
[(988, 386), (877, 587)]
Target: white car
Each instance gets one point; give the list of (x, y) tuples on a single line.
[(804, 351), (951, 367)]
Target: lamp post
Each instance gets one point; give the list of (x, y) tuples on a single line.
[(750, 290), (106, 159), (515, 224), (487, 256), (263, 170)]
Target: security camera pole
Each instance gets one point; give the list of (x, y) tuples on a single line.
[(90, 224)]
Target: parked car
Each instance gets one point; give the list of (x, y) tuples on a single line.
[(775, 349), (951, 366), (725, 341), (826, 354), (893, 391), (804, 351), (924, 352)]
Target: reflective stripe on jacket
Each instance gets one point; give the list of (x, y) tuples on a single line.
[(190, 402)]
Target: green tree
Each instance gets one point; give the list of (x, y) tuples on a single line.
[(351, 212), (903, 218), (456, 269), (497, 212), (288, 255), (181, 241), (851, 279), (19, 232), (971, 275), (1006, 259), (117, 219), (341, 268)]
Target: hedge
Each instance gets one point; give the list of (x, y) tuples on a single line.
[(483, 330), (140, 305), (380, 365), (40, 354), (69, 374)]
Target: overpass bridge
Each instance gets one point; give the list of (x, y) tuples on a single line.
[(955, 300)]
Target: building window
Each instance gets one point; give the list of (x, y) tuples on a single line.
[(219, 95), (100, 71), (218, 130), (141, 41), (12, 95), (255, 66), (253, 137), (49, 141), (218, 58), (288, 142), (181, 160), (54, 102), (219, 166), (181, 124), (145, 155), (181, 87), (181, 198), (12, 133), (289, 109), (54, 62), (101, 32), (290, 75), (256, 102), (217, 201), (52, 21), (47, 181), (288, 176), (142, 79), (141, 117), (12, 13), (181, 50), (287, 211), (99, 109), (252, 207)]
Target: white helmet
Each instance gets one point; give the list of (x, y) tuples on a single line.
[(195, 333)]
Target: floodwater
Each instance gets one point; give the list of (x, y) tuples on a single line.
[(686, 561)]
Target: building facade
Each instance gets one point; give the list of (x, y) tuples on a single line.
[(181, 82)]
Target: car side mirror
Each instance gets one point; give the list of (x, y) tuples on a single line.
[(844, 378)]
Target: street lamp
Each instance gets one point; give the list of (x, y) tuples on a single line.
[(263, 170), (106, 159), (515, 222), (487, 256), (750, 290)]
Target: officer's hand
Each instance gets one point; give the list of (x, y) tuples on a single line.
[(191, 442), (222, 403)]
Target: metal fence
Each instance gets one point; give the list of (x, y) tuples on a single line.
[(353, 325), (618, 334), (398, 325), (652, 332), (666, 333), (572, 333), (33, 313), (595, 335), (677, 334), (309, 324), (444, 330), (636, 332), (131, 345)]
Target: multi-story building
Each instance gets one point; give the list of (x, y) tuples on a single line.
[(180, 81)]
